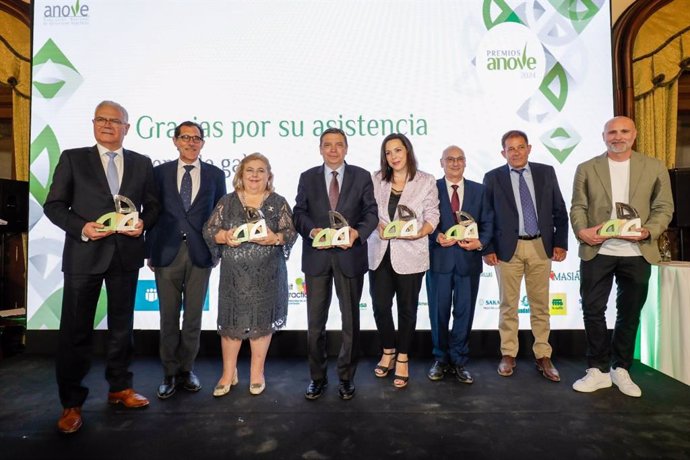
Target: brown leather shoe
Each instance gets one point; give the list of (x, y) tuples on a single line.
[(547, 369), (128, 398), (506, 366), (70, 420)]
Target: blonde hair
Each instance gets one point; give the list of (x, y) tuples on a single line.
[(237, 183)]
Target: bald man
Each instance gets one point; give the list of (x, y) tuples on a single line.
[(619, 175)]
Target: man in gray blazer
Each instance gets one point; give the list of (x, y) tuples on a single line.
[(619, 175)]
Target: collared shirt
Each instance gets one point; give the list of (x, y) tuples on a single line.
[(515, 182), (461, 190), (195, 173), (105, 159), (327, 176)]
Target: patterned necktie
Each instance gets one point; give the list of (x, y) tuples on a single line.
[(111, 174), (186, 187), (333, 190), (529, 214), (455, 202)]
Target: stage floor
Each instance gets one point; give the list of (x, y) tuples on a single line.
[(523, 416)]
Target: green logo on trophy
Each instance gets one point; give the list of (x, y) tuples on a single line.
[(465, 228), (255, 227), (405, 225), (337, 235), (124, 218), (628, 219)]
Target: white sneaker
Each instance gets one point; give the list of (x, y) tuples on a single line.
[(622, 379), (593, 381)]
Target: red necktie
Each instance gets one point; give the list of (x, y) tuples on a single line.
[(333, 190), (455, 202)]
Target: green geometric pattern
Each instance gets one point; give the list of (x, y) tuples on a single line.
[(580, 12), (501, 13), (51, 57), (46, 142), (561, 142), (48, 315), (554, 86)]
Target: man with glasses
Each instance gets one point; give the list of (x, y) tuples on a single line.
[(530, 230), (188, 192), (456, 265), (84, 184)]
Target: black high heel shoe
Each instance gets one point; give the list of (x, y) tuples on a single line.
[(382, 371), (399, 378)]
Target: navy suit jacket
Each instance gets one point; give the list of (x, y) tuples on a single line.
[(476, 203), (356, 203), (164, 239), (79, 193), (551, 211)]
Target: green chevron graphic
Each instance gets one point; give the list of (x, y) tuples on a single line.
[(50, 56), (579, 12), (47, 316), (554, 86), (497, 12), (561, 142), (45, 146)]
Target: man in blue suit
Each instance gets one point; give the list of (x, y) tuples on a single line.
[(530, 230), (188, 191), (453, 278), (347, 189)]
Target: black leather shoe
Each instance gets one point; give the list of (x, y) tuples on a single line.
[(438, 371), (346, 389), (315, 389), (189, 381), (463, 375), (167, 388)]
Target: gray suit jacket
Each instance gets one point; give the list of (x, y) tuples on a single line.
[(650, 195)]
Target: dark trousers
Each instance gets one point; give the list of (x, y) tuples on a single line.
[(596, 280), (319, 294), (451, 292), (180, 284), (75, 339), (384, 283)]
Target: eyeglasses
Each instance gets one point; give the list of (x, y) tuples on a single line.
[(455, 159), (101, 121), (188, 138)]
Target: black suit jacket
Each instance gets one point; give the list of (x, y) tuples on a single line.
[(552, 214), (164, 239), (356, 203), (79, 193)]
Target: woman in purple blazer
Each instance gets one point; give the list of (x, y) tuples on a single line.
[(397, 265)]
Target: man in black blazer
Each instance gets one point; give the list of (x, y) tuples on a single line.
[(188, 192), (530, 230), (82, 190), (453, 278), (348, 190)]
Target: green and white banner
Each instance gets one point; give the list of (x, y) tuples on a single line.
[(271, 75)]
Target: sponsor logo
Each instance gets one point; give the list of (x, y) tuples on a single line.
[(66, 13), (297, 292), (147, 297), (565, 276), (558, 304), (489, 304)]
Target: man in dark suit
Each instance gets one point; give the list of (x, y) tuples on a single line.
[(348, 190), (456, 266), (530, 230), (188, 192), (84, 183)]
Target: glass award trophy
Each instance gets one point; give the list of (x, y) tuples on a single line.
[(464, 229), (628, 219), (124, 218), (255, 227), (405, 225), (338, 234)]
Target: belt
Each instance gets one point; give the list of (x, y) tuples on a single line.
[(184, 237), (528, 237)]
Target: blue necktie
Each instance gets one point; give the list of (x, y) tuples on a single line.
[(186, 187), (111, 174), (529, 214)]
